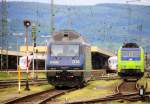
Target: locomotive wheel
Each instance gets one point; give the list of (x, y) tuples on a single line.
[(81, 85), (58, 87)]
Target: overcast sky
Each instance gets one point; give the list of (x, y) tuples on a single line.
[(88, 2)]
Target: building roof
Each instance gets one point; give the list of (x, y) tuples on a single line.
[(13, 53), (42, 49)]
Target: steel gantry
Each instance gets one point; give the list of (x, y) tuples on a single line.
[(3, 35)]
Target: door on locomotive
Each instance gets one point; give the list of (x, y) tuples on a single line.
[(87, 63)]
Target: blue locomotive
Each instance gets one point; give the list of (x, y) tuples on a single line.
[(68, 60)]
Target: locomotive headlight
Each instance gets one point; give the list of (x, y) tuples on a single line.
[(75, 61), (138, 67), (124, 67), (54, 62)]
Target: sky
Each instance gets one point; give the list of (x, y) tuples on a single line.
[(89, 2)]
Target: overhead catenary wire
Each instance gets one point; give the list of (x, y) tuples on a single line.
[(52, 17)]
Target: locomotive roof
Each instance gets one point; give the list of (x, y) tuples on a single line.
[(130, 45), (68, 35)]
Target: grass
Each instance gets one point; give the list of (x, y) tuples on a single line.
[(7, 75), (143, 81), (94, 89), (12, 92), (101, 88), (13, 75)]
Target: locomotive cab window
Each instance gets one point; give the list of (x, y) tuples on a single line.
[(130, 54), (64, 50)]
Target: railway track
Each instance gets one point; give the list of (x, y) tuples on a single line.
[(40, 98), (127, 87), (124, 91), (8, 83), (129, 97), (106, 77)]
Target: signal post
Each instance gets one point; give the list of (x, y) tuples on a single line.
[(27, 23)]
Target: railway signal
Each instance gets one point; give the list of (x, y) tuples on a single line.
[(33, 31), (142, 92), (27, 24)]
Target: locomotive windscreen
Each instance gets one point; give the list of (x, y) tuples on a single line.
[(130, 54), (64, 50)]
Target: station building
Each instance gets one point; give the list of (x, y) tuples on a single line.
[(99, 57)]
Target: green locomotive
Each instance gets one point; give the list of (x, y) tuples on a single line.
[(131, 61)]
